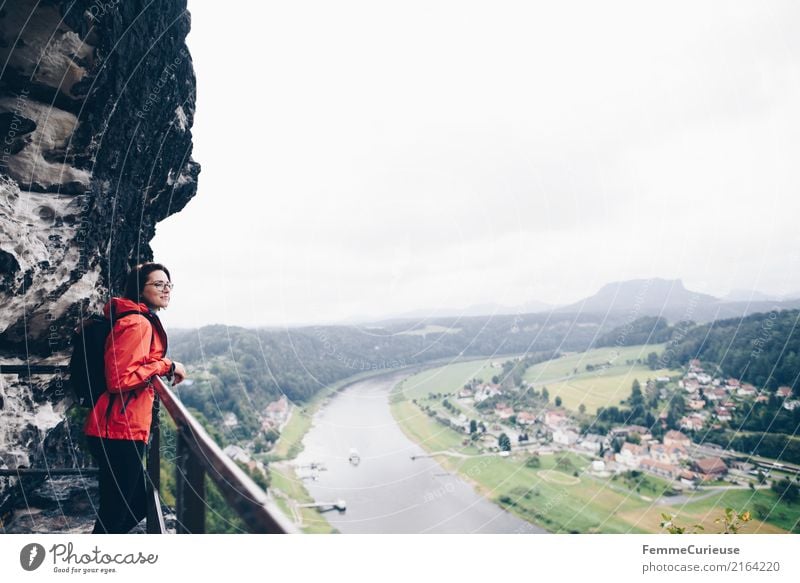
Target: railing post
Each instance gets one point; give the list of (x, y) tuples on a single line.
[(191, 489), (198, 456), (155, 518)]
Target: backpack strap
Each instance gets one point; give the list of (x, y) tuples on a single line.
[(152, 317), (117, 317)]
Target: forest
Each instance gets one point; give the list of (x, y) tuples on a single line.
[(761, 349), (239, 370)]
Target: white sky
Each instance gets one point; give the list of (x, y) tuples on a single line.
[(368, 158)]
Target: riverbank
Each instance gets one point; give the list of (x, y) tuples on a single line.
[(288, 490), (393, 486)]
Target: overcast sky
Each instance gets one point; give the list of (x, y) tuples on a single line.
[(371, 158)]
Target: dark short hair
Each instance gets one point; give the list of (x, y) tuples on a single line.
[(134, 285)]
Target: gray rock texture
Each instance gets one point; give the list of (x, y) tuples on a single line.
[(97, 101)]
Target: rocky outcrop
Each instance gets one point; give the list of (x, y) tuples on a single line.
[(96, 109)]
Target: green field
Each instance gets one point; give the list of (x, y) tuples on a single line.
[(595, 390), (566, 365), (567, 377), (598, 388), (450, 378), (549, 496)]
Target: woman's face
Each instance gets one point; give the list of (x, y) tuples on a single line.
[(155, 294)]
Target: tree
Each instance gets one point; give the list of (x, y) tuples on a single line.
[(545, 394), (787, 490), (671, 420), (581, 408), (652, 361), (259, 445), (533, 462), (504, 442), (564, 463), (636, 394), (473, 426), (558, 401)]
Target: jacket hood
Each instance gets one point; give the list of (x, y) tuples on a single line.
[(123, 305)]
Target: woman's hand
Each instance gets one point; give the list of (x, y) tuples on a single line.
[(180, 374)]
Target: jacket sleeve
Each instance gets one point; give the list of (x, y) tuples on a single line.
[(128, 362)]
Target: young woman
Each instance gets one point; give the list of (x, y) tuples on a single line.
[(118, 427)]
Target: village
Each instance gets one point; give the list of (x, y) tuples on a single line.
[(273, 418), (545, 430)]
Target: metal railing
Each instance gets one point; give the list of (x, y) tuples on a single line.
[(198, 456)]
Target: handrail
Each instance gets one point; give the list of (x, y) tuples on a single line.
[(199, 455)]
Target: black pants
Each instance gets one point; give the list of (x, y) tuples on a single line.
[(123, 497)]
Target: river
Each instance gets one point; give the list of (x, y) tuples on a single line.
[(388, 492)]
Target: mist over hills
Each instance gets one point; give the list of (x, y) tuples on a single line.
[(485, 309), (667, 298), (645, 297)]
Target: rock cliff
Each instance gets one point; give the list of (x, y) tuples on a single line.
[(96, 109)]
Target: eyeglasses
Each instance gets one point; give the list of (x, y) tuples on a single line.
[(161, 285)]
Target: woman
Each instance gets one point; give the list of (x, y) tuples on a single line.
[(118, 427)]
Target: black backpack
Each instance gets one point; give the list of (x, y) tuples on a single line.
[(87, 371)]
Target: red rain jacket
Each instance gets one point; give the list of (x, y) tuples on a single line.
[(134, 354)]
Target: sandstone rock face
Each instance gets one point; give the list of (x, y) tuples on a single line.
[(96, 109)]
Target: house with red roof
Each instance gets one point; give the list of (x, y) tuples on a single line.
[(710, 468)]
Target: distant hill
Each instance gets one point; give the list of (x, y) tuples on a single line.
[(629, 300), (668, 298), (644, 297)]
